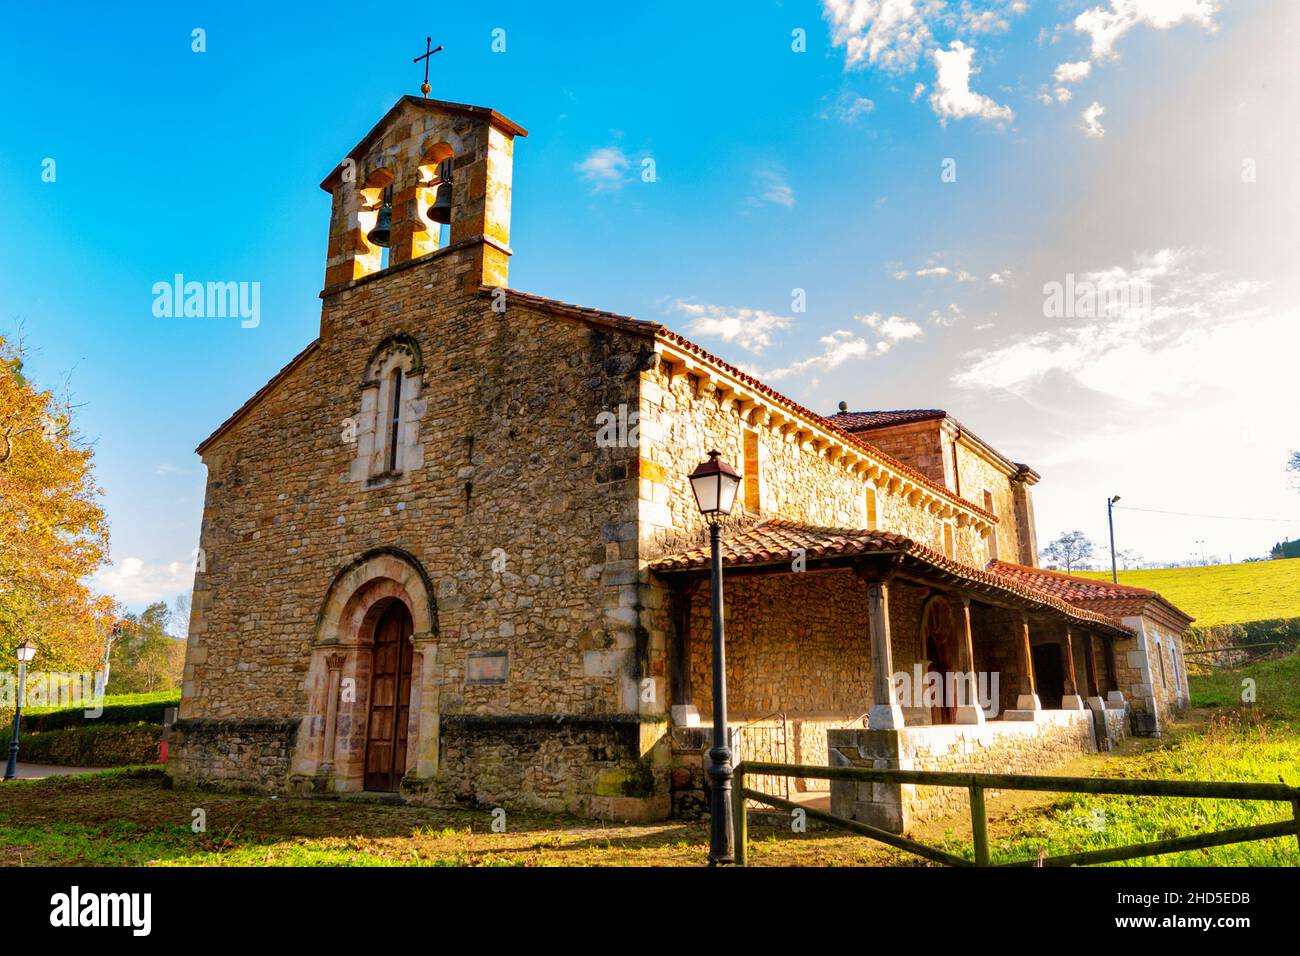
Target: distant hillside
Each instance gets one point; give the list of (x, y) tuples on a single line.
[(1224, 593)]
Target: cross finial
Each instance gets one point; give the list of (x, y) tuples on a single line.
[(428, 53)]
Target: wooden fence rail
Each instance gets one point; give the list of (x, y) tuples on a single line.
[(977, 783)]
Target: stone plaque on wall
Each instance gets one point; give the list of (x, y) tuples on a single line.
[(487, 667)]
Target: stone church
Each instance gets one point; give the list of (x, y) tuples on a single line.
[(450, 549)]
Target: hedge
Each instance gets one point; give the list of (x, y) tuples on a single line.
[(149, 712), (94, 745)]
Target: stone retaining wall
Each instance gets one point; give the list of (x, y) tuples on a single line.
[(1024, 747)]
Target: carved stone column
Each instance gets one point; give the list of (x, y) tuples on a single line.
[(334, 662)]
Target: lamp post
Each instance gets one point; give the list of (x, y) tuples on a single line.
[(25, 653), (1110, 519), (714, 483)]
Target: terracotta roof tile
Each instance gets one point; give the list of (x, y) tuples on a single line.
[(779, 541), (1114, 600), (863, 421)]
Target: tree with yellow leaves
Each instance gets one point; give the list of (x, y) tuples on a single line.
[(53, 532)]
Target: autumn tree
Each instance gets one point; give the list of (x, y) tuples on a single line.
[(1070, 549), (145, 657), (53, 533)]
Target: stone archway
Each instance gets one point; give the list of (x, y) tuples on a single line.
[(331, 749)]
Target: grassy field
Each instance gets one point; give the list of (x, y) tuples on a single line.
[(1224, 593), (172, 697), (130, 817)]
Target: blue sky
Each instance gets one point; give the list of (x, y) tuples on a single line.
[(775, 170)]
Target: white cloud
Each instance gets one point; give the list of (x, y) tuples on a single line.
[(917, 91), (848, 107), (947, 317), (772, 188), (136, 582), (1000, 278), (1106, 26), (604, 168), (953, 98), (1072, 72), (893, 328), (844, 345), (1091, 120), (751, 329), (890, 34), (932, 272), (1141, 351)]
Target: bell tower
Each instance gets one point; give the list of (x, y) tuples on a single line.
[(431, 179)]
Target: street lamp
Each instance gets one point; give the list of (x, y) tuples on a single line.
[(714, 483), (25, 653), (1110, 519)]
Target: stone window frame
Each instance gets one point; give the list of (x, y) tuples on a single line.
[(396, 355), (751, 481), (949, 534), (871, 507)]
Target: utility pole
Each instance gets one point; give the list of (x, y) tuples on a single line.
[(1110, 520)]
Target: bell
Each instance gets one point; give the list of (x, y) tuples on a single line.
[(380, 235), (440, 211)]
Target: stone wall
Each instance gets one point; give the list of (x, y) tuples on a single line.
[(596, 766), (523, 522), (1020, 747), (232, 753)]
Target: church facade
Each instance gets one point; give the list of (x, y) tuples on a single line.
[(450, 550)]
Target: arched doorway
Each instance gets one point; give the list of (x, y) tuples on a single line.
[(390, 698), (941, 649)]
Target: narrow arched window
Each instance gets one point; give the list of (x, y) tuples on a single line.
[(395, 419)]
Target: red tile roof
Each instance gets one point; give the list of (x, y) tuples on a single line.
[(1106, 597), (864, 421), (779, 541)]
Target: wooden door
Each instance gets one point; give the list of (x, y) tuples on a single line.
[(390, 699)]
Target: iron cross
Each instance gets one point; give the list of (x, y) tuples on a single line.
[(428, 41)]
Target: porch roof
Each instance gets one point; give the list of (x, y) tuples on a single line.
[(1116, 600), (774, 544)]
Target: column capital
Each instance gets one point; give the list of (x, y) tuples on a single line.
[(336, 660)]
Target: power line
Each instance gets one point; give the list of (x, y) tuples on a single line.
[(1189, 514)]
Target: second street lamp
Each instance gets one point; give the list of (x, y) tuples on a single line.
[(25, 652), (714, 483)]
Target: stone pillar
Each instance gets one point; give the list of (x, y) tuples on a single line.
[(968, 708), (426, 686), (885, 713), (334, 662), (680, 598), (1028, 707), (1071, 700)]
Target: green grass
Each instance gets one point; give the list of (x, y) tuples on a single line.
[(130, 817), (170, 697), (1224, 593)]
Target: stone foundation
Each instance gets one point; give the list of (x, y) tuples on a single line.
[(232, 753), (608, 766), (1024, 747)]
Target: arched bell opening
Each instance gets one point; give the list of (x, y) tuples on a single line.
[(375, 220), (433, 195)]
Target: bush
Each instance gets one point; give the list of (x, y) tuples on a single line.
[(124, 709), (94, 745)]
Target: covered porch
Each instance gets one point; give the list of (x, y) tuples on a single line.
[(847, 645)]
